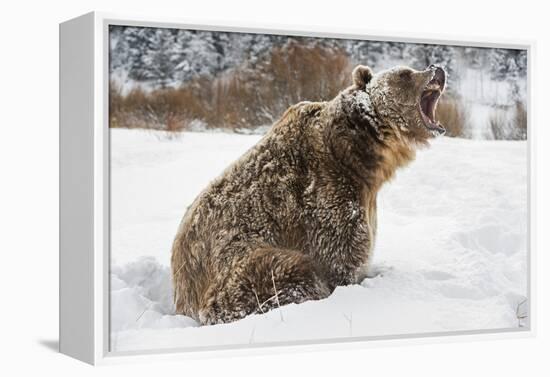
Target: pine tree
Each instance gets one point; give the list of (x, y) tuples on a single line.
[(173, 57)]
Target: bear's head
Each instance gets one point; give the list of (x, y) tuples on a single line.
[(376, 124), (398, 103)]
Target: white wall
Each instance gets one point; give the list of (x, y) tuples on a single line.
[(29, 182)]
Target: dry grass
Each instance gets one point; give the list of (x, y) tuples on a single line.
[(512, 127), (520, 122), (498, 125), (243, 98), (167, 109), (453, 115)]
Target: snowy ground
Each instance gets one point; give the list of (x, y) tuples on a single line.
[(451, 251)]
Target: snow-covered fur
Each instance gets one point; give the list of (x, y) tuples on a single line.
[(296, 215)]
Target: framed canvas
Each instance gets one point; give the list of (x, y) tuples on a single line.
[(229, 189)]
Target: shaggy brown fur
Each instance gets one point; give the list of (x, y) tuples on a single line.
[(296, 215)]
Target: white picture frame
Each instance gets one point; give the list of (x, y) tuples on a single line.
[(84, 190)]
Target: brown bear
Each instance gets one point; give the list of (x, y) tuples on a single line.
[(295, 216)]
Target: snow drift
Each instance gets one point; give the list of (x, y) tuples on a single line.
[(451, 252)]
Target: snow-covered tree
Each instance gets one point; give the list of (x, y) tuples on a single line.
[(267, 73)]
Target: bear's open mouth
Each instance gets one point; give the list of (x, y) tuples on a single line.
[(428, 101)]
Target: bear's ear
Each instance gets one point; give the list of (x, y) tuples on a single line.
[(361, 76)]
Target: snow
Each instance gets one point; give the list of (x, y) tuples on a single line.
[(451, 252)]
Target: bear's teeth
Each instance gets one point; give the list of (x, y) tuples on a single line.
[(433, 86)]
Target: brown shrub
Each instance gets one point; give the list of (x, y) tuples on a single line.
[(498, 125), (116, 101), (452, 114), (296, 73), (245, 97), (520, 121), (511, 127)]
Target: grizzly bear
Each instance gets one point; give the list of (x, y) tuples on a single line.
[(295, 216)]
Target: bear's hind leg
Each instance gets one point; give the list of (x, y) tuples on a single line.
[(264, 279)]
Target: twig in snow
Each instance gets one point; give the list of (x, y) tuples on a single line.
[(271, 298), (258, 301), (277, 296), (251, 339), (350, 322), (521, 316), (144, 310)]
